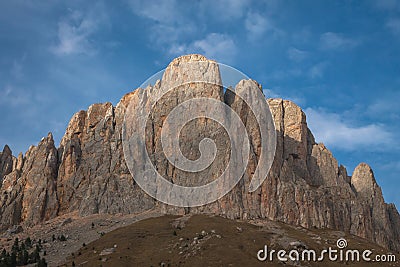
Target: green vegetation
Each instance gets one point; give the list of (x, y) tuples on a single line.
[(23, 253)]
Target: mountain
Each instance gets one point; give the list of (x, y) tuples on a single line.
[(88, 174)]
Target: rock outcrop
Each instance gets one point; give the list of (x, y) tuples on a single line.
[(6, 162), (88, 172)]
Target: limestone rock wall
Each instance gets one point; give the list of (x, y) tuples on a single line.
[(88, 173)]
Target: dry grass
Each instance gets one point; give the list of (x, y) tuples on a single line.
[(202, 240)]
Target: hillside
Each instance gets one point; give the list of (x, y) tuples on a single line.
[(201, 240)]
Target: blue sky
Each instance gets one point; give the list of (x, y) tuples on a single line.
[(338, 60)]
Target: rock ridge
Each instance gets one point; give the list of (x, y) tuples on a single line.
[(87, 172)]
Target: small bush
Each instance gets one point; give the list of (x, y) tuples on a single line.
[(62, 238)]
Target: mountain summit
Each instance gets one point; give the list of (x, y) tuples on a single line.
[(88, 174)]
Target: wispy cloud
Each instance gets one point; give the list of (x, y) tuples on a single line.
[(216, 46), (165, 11), (173, 11), (237, 8), (258, 25), (333, 131), (75, 31), (16, 70), (170, 27), (317, 71), (391, 166), (336, 41), (14, 96), (393, 24), (176, 31), (296, 55), (387, 4), (281, 75), (385, 107), (269, 93)]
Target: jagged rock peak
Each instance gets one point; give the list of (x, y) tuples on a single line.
[(7, 150), (6, 162), (19, 163), (363, 179), (48, 139), (190, 58), (191, 68)]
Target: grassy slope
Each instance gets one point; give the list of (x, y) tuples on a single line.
[(169, 240)]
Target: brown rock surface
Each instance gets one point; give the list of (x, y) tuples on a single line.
[(6, 162), (88, 173)]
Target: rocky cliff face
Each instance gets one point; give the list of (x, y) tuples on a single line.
[(88, 173)]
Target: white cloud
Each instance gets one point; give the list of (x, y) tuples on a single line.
[(317, 71), (168, 12), (391, 166), (393, 25), (13, 96), (216, 46), (296, 54), (227, 9), (176, 31), (169, 24), (385, 107), (258, 25), (75, 31), (161, 11), (333, 131), (335, 41)]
